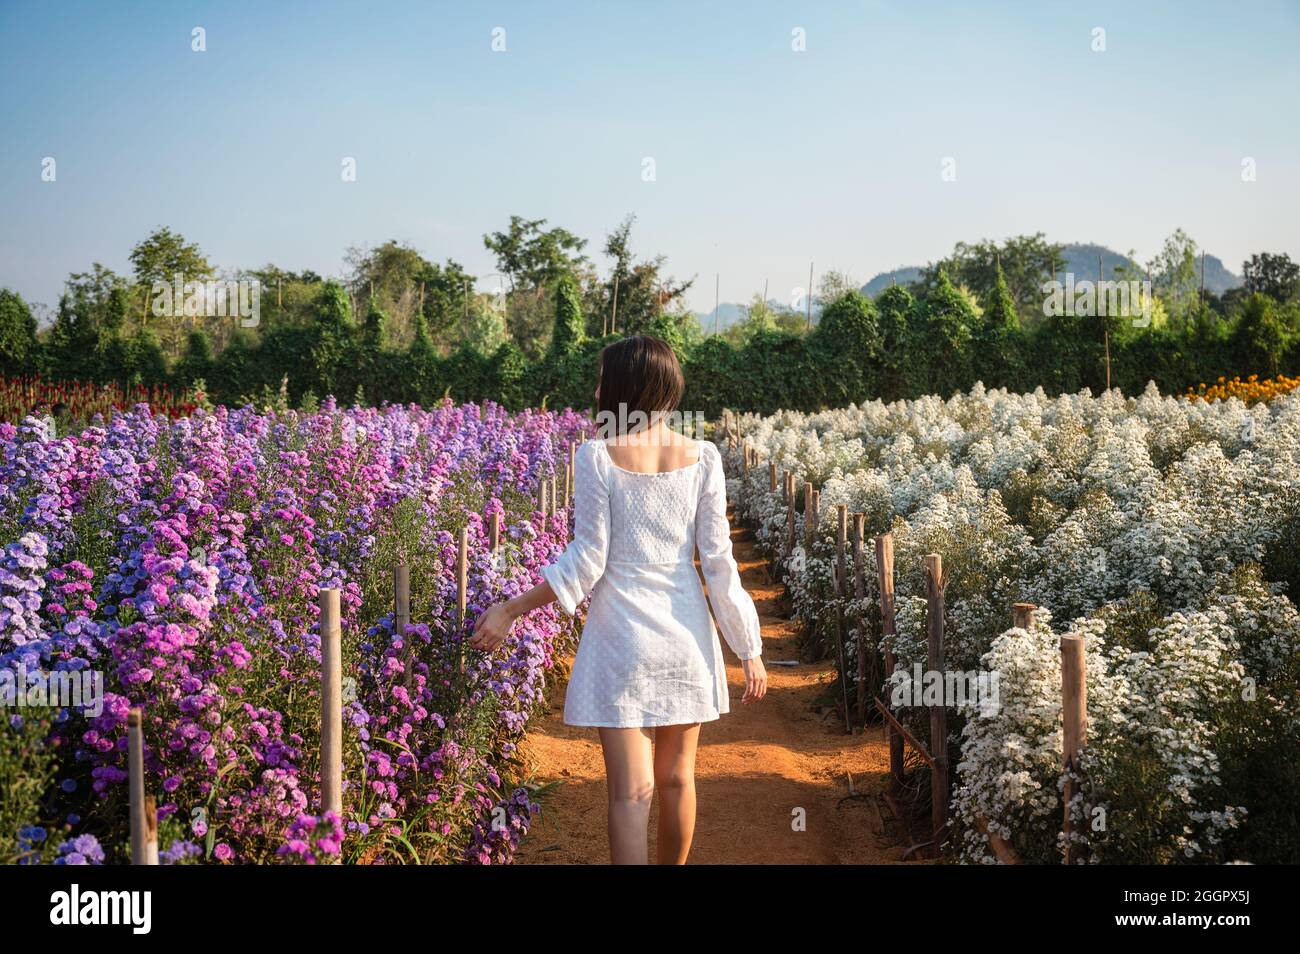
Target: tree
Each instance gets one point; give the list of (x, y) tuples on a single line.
[(845, 347), (164, 254), (1273, 275), (568, 331), (947, 326), (532, 256), (1175, 276), (1024, 260), (644, 293), (17, 335)]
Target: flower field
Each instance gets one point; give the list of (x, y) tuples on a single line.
[(1165, 532), (182, 559)]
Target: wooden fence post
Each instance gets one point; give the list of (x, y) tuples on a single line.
[(462, 593), (494, 531), (331, 703), (1074, 712), (1022, 615), (809, 516), (402, 620), (841, 590), (789, 514), (771, 476), (859, 592), (139, 802), (744, 459), (934, 585), (885, 579)]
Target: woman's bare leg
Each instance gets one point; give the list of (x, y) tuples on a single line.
[(629, 777), (674, 776)]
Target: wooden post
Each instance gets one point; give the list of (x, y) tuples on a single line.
[(331, 703), (563, 490), (494, 531), (1074, 712), (555, 495), (744, 459), (859, 593), (402, 619), (462, 593), (934, 586), (885, 579), (1022, 615), (138, 806), (841, 588), (541, 501), (789, 515), (572, 471), (771, 476), (809, 516)]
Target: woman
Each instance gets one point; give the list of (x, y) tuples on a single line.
[(649, 666)]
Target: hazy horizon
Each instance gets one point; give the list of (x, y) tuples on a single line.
[(765, 158)]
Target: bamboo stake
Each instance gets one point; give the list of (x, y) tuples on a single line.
[(462, 592), (135, 769), (789, 515), (1074, 712), (841, 587), (331, 703), (809, 516), (744, 459), (885, 579), (402, 620), (494, 531), (859, 593), (934, 584)]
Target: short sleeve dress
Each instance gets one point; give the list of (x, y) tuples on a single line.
[(649, 653)]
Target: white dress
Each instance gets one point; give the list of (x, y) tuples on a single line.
[(649, 654)]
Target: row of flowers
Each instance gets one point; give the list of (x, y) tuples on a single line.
[(182, 559), (1166, 532), (82, 400)]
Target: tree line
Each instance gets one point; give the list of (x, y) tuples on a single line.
[(401, 328)]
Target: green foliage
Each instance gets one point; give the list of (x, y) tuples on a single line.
[(17, 334), (568, 331), (27, 769)]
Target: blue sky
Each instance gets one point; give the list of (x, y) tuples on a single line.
[(765, 158)]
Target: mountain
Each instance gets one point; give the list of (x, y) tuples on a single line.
[(732, 312), (899, 276), (1081, 259)]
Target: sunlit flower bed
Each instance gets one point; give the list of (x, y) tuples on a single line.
[(183, 559), (1251, 390), (1164, 531)]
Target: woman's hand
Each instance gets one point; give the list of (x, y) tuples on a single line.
[(755, 679), (492, 628)]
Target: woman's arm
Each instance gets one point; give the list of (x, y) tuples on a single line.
[(492, 628), (732, 605), (570, 578)]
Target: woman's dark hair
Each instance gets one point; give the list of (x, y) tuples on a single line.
[(639, 373)]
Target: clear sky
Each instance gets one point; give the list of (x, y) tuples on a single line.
[(765, 158)]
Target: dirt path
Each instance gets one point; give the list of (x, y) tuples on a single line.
[(756, 765)]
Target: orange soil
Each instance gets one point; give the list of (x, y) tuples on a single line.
[(755, 767)]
